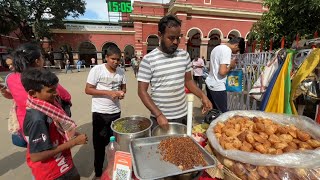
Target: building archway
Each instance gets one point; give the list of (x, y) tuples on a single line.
[(87, 51), (58, 53), (215, 40), (247, 36), (104, 50), (248, 43), (234, 33), (152, 43), (128, 54), (59, 56), (194, 43)]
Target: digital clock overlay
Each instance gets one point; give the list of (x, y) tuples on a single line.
[(119, 6)]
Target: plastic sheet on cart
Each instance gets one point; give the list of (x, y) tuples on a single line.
[(309, 159)]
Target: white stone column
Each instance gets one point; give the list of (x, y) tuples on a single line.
[(99, 58)]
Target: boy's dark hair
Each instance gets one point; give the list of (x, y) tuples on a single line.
[(168, 21), (240, 42), (113, 49), (36, 78), (25, 56)]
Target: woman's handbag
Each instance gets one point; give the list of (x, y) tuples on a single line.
[(13, 124), (18, 140), (13, 128)]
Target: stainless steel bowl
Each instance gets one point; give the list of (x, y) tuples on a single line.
[(124, 139), (174, 128)]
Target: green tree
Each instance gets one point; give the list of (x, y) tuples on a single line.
[(39, 15), (287, 18)]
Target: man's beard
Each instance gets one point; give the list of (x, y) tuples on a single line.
[(169, 50)]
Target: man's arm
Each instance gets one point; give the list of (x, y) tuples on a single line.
[(44, 155), (5, 92), (91, 90), (189, 83), (148, 102), (124, 88), (146, 99), (224, 69)]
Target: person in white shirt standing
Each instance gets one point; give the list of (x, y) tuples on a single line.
[(107, 85), (220, 65), (93, 61), (197, 65)]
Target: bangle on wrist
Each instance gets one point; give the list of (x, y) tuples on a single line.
[(159, 115)]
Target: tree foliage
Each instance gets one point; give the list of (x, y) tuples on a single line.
[(38, 14), (287, 18)]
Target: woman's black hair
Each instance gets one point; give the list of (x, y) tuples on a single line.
[(25, 56), (36, 78)]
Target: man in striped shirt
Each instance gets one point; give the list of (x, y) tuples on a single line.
[(168, 70)]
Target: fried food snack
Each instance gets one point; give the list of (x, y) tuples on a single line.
[(262, 135)]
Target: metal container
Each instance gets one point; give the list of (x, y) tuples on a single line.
[(124, 139), (174, 128), (147, 163)]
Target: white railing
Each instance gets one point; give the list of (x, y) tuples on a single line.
[(252, 65)]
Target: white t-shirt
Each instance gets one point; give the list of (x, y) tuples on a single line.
[(100, 77), (219, 55), (198, 71)]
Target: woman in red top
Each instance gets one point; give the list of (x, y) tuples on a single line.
[(26, 56)]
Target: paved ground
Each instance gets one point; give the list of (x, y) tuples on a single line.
[(12, 158)]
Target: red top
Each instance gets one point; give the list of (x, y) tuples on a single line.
[(42, 135), (20, 95)]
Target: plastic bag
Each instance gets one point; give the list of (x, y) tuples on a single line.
[(304, 163), (234, 81), (292, 160), (262, 83)]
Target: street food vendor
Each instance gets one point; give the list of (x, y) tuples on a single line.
[(167, 70)]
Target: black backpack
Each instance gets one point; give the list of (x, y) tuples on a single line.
[(212, 115)]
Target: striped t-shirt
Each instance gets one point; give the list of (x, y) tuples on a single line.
[(166, 75)]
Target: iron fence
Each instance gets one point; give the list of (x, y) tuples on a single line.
[(252, 64)]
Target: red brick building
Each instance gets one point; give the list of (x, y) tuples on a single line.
[(205, 24)]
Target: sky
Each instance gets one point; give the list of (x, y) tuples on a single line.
[(97, 10)]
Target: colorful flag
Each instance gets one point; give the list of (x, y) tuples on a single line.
[(280, 95)]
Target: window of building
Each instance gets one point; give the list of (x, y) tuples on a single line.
[(207, 1)]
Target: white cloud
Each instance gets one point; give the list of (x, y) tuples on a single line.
[(101, 9)]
